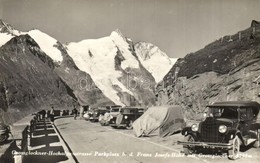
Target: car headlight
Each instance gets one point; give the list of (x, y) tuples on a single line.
[(195, 127), (205, 115), (126, 117), (222, 128)]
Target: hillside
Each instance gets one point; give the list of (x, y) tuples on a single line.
[(67, 70), (27, 80), (227, 69)]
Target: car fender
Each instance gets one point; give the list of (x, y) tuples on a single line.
[(187, 131), (233, 133)]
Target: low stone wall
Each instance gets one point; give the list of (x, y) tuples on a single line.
[(18, 141)]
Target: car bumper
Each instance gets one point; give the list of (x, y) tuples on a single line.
[(206, 144), (93, 119), (118, 125)]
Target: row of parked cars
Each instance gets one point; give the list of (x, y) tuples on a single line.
[(226, 126), (116, 116)]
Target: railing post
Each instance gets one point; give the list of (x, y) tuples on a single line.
[(29, 135), (17, 157)]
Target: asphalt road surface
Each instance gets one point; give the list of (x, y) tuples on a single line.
[(91, 142)]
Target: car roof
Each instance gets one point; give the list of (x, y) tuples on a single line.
[(235, 104), (133, 107), (112, 106)]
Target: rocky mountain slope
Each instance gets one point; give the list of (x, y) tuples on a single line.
[(27, 80), (154, 60), (67, 70), (227, 69), (62, 69)]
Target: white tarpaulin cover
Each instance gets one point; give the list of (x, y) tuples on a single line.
[(164, 120)]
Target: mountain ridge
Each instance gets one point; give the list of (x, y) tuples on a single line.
[(224, 70)]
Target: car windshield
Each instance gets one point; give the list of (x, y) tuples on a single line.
[(115, 110), (129, 110), (223, 112)]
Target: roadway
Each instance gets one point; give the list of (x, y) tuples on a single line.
[(91, 142)]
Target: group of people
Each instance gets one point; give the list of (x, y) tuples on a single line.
[(49, 114), (42, 115)]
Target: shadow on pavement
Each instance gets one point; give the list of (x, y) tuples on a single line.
[(45, 145)]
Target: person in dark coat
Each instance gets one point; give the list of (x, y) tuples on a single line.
[(42, 114), (75, 113), (52, 114)]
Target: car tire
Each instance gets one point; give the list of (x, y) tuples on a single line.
[(130, 125), (114, 126), (186, 149), (257, 142), (233, 153)]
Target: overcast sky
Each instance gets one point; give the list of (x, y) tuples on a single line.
[(177, 27)]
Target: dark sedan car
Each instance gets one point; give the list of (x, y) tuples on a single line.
[(127, 116), (95, 113)]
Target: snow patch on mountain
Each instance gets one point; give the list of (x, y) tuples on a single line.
[(154, 60), (174, 60), (120, 41), (47, 44), (4, 38), (97, 57)]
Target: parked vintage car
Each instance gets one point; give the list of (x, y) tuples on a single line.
[(226, 127), (95, 113), (126, 117), (114, 112)]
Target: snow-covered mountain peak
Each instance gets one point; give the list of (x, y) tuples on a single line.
[(150, 51), (7, 32), (5, 27), (119, 33), (153, 59), (48, 44), (97, 57)]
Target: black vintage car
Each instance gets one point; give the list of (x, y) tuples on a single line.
[(127, 116), (95, 113), (227, 126), (114, 112)]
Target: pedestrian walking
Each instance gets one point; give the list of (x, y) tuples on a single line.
[(52, 114), (75, 113), (81, 112)]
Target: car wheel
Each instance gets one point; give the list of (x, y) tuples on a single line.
[(130, 125), (233, 153), (114, 126), (257, 142), (187, 149)]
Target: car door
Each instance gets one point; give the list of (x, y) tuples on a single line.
[(246, 116)]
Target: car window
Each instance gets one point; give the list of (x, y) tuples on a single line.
[(249, 113), (115, 110), (227, 112), (230, 113), (132, 111)]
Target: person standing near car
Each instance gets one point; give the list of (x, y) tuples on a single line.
[(81, 112), (75, 113)]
